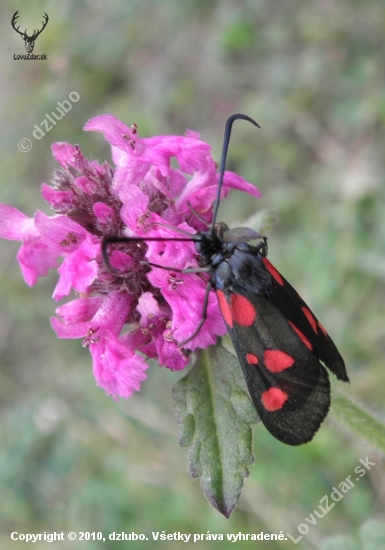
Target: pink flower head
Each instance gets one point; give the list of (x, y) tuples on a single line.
[(129, 311)]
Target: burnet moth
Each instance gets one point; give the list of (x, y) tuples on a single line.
[(282, 347)]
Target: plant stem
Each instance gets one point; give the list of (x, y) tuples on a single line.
[(358, 420)]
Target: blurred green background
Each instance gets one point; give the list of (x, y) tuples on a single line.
[(313, 75)]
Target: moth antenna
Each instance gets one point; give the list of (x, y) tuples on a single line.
[(225, 146)]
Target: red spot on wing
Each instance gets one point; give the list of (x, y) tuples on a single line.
[(322, 328), (240, 310), (252, 359), (274, 399), (225, 308), (307, 343), (310, 318), (273, 272), (243, 311), (276, 360)]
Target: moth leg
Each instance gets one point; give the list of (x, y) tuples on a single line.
[(177, 269), (204, 315)]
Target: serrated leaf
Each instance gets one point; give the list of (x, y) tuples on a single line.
[(214, 414)]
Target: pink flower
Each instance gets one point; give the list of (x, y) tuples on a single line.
[(132, 311)]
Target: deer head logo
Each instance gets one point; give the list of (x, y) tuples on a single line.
[(29, 40)]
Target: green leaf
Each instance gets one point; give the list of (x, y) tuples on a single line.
[(214, 414)]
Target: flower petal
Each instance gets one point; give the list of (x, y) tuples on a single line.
[(104, 213), (115, 131), (78, 270), (117, 368), (56, 199), (14, 225), (77, 330), (35, 260), (169, 354), (233, 181), (80, 310), (60, 232), (135, 206), (64, 153)]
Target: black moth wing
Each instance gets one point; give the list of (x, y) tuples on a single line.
[(305, 383), (295, 310), (276, 345)]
